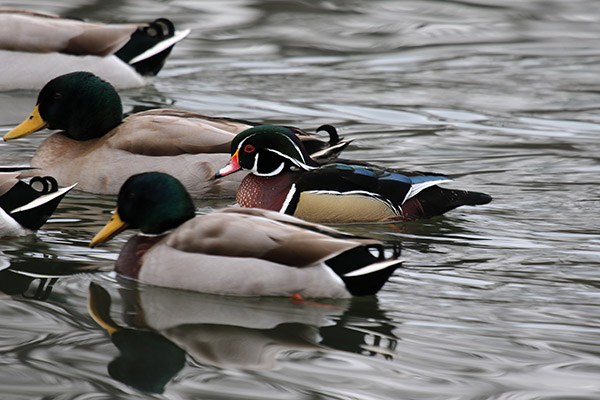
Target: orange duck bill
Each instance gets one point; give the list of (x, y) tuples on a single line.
[(233, 166)]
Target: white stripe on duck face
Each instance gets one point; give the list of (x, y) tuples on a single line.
[(299, 153), (301, 165), (276, 171)]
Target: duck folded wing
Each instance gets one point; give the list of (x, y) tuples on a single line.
[(173, 132), (261, 235), (45, 33)]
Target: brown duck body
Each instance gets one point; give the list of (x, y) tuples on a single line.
[(266, 192), (187, 145)]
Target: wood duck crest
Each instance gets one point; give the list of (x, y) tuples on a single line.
[(268, 150)]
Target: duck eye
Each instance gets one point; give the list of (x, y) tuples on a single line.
[(249, 148), (57, 96)]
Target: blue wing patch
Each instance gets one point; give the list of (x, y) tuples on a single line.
[(365, 172), (412, 180), (427, 178)]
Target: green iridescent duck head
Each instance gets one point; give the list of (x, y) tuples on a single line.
[(152, 202), (79, 103)]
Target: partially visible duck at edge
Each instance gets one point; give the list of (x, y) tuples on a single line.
[(283, 177), (99, 149), (36, 47), (237, 251), (26, 206)]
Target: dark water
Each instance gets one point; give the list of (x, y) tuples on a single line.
[(494, 302)]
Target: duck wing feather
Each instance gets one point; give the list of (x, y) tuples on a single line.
[(262, 234), (173, 132), (46, 33)]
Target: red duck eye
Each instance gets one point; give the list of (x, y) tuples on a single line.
[(249, 148)]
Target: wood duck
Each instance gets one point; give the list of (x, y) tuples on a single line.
[(283, 177), (23, 208), (237, 251), (99, 149), (36, 47)]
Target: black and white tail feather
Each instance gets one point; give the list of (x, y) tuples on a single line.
[(24, 208), (149, 46), (364, 269)]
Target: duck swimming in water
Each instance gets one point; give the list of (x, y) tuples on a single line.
[(99, 149), (283, 177), (36, 47), (237, 251)]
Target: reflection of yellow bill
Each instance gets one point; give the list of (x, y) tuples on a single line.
[(33, 123), (99, 308), (111, 229)]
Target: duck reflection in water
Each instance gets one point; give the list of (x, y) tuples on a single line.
[(16, 283), (163, 325), (19, 273)]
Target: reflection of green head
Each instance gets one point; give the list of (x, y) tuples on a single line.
[(147, 362)]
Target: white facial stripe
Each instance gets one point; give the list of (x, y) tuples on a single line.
[(254, 169), (297, 163), (300, 164), (243, 141), (297, 149), (278, 170)]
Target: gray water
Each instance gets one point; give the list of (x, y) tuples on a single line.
[(495, 302)]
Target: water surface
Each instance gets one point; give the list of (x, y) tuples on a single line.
[(494, 302)]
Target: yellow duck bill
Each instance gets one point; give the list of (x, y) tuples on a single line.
[(33, 123), (110, 230)]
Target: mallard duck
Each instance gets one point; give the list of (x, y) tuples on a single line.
[(24, 209), (99, 149), (36, 47), (284, 178), (237, 251)]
